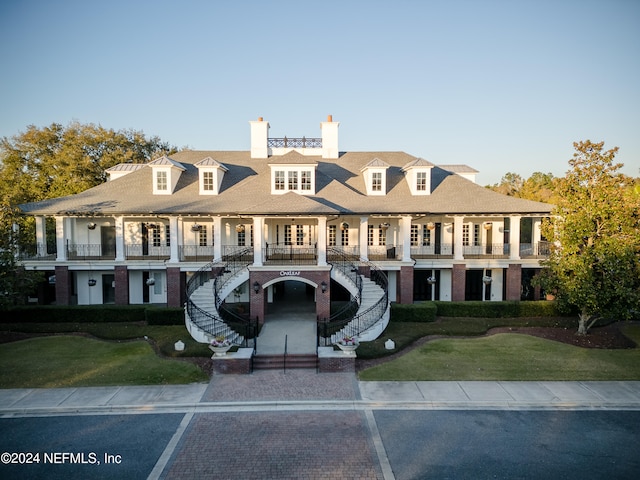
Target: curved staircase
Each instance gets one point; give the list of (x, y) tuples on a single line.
[(366, 315)]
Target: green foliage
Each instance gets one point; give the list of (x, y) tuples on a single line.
[(74, 314), (596, 225), (540, 187), (417, 312), (478, 309), (164, 316), (50, 162)]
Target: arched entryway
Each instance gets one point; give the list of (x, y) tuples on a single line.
[(290, 316)]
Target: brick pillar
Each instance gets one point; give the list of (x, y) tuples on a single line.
[(323, 300), (63, 286), (514, 281), (175, 287), (257, 300), (458, 282), (122, 285), (405, 281)]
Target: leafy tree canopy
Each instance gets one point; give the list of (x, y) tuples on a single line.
[(54, 161), (595, 264), (538, 187)]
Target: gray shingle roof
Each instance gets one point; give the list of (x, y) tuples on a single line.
[(246, 189)]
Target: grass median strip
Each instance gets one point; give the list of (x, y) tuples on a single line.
[(509, 357), (74, 361)]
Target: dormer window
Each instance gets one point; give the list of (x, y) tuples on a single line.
[(375, 177), (293, 173), (166, 173), (418, 175), (210, 175)]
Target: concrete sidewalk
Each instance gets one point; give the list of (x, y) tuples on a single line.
[(304, 390)]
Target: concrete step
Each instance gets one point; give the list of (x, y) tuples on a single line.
[(298, 360)]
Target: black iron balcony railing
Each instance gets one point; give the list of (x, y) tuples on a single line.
[(535, 250), (92, 251), (280, 254), (441, 250), (196, 253), (37, 252), (381, 253), (142, 251), (286, 142)]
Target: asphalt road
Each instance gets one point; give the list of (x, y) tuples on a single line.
[(512, 444), (420, 444), (132, 443)]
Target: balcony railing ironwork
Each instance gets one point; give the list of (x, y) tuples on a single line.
[(196, 253), (228, 324), (141, 251), (535, 250), (381, 253), (490, 250), (280, 254), (37, 252), (93, 251), (360, 322), (286, 142), (441, 250)]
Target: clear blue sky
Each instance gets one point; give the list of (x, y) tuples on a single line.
[(503, 86)]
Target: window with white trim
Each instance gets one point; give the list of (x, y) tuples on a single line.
[(279, 180), (414, 235), (332, 235), (426, 236), (293, 180), (208, 180), (370, 235), (382, 236), (376, 181), (305, 180), (465, 234), (421, 181), (299, 235), (287, 234), (476, 234), (344, 237), (202, 237), (161, 181)]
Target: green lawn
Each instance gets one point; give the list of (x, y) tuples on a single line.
[(74, 361), (510, 357)]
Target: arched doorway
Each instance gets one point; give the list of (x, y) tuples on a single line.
[(290, 317)]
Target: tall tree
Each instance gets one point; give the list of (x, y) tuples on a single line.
[(54, 161), (594, 266)]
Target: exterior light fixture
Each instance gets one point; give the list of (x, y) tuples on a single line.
[(344, 226), (323, 285), (91, 226), (431, 280), (239, 228), (92, 282), (486, 280), (256, 287), (384, 225), (196, 227), (150, 281), (431, 226), (488, 225)]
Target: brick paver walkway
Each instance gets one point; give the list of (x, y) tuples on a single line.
[(278, 444)]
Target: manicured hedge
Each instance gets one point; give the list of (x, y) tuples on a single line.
[(497, 309), (74, 314), (164, 316), (417, 312)]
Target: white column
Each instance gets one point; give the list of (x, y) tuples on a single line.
[(41, 236), (173, 240), (217, 238), (322, 241), (514, 237), (120, 253), (457, 238), (61, 240), (405, 229), (363, 237), (258, 240)]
